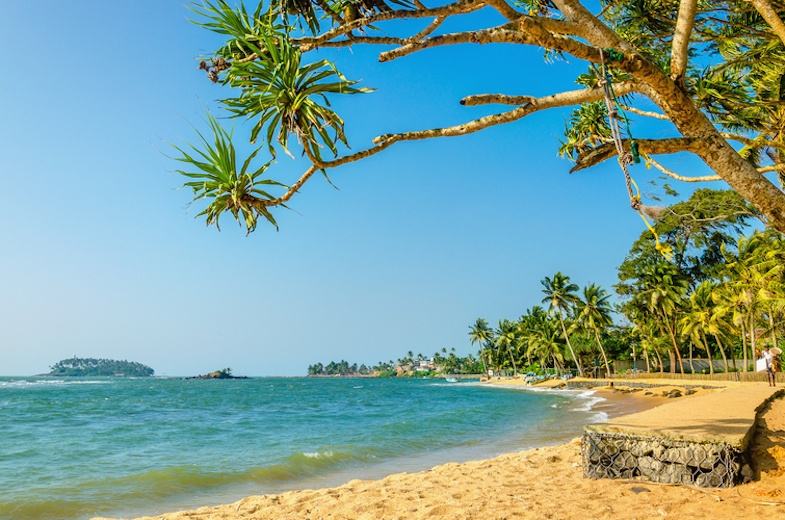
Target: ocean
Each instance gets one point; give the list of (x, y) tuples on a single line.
[(79, 448)]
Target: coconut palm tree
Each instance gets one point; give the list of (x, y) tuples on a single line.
[(545, 342), (696, 320), (506, 338), (662, 291), (753, 281), (481, 333), (560, 295), (594, 314)]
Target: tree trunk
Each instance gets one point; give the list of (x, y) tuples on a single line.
[(712, 148), (672, 335), (567, 339), (659, 360), (771, 326), (722, 351), (512, 358), (708, 353), (753, 341), (604, 357)]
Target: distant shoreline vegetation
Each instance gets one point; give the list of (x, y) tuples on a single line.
[(91, 367), (442, 363)]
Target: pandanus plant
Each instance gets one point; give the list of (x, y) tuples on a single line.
[(279, 94), (214, 168)]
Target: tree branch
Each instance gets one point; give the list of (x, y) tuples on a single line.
[(596, 32), (573, 97), (757, 142), (772, 168), (531, 105), (505, 9), (459, 7), (527, 30), (645, 113), (681, 39), (672, 174), (648, 146), (769, 14), (322, 165)]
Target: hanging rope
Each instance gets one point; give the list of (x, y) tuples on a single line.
[(616, 115)]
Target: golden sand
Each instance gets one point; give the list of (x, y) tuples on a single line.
[(536, 484)]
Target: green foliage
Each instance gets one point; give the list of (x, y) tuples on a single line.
[(283, 95), (696, 230), (214, 166), (587, 128), (91, 367)]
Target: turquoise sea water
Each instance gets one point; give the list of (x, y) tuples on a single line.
[(77, 448)]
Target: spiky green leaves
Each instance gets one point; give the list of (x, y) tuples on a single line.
[(213, 166), (285, 97), (587, 128), (275, 91)]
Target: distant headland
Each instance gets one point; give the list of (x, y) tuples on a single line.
[(91, 367)]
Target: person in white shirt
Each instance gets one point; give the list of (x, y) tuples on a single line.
[(768, 356)]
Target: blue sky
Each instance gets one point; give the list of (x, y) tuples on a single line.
[(102, 255)]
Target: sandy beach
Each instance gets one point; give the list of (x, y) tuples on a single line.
[(539, 483)]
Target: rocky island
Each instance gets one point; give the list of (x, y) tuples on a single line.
[(226, 373)]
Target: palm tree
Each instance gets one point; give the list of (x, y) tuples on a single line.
[(662, 291), (594, 314), (481, 333), (753, 281), (696, 321), (560, 295), (545, 341), (506, 337)]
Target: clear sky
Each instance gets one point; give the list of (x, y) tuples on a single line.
[(102, 257)]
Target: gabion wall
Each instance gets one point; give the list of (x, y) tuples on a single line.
[(662, 460)]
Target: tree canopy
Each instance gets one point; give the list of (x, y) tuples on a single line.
[(710, 71), (91, 367)]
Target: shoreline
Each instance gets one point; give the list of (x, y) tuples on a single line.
[(524, 484)]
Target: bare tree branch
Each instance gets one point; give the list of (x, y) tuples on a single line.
[(504, 9), (530, 106), (681, 39), (772, 168), (671, 173), (757, 142), (527, 30), (648, 146), (438, 21), (459, 7), (645, 113), (596, 32), (318, 165), (573, 97)]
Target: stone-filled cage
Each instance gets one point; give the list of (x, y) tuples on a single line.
[(662, 460)]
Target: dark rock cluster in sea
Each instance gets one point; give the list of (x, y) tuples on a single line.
[(219, 374)]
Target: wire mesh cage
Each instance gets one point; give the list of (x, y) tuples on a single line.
[(662, 460)]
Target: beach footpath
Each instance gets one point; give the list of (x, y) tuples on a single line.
[(549, 482)]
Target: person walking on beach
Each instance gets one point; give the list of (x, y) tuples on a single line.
[(768, 357)]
